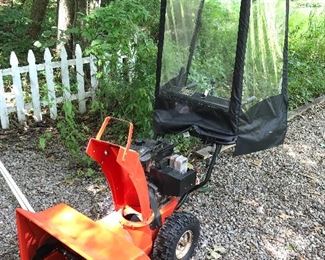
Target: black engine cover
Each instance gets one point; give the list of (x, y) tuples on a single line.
[(171, 182)]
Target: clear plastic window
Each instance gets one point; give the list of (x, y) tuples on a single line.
[(179, 27), (210, 72), (264, 55), (214, 58)]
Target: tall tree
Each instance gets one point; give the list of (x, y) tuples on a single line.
[(66, 19), (37, 15)]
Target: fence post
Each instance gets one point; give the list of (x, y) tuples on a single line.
[(50, 83), (17, 86), (34, 86), (93, 76), (3, 107), (65, 74), (80, 80)]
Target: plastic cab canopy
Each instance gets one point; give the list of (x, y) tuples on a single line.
[(222, 71)]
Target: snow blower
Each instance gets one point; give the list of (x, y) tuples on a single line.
[(221, 76)]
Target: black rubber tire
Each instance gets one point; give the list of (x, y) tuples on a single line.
[(171, 232)]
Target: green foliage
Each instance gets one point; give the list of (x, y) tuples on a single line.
[(184, 144), (73, 134), (123, 42), (264, 54), (215, 51), (214, 58), (43, 140), (123, 35), (307, 55), (13, 26), (86, 173)]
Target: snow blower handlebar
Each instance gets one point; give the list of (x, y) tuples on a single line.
[(130, 134), (123, 171)]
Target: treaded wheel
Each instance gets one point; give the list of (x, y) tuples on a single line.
[(177, 238)]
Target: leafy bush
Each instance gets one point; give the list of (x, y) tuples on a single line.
[(214, 58), (13, 26), (306, 56), (122, 37)]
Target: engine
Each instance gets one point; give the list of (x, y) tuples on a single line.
[(164, 169)]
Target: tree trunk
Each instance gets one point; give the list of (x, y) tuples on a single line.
[(82, 6), (94, 4), (38, 12), (66, 18)]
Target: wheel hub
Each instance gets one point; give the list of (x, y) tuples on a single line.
[(184, 244)]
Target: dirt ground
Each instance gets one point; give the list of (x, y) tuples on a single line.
[(267, 205)]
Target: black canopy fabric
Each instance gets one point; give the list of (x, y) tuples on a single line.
[(222, 71)]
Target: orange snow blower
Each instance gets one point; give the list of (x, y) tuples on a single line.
[(146, 191), (223, 84)]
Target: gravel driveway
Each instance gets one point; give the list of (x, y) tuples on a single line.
[(268, 205)]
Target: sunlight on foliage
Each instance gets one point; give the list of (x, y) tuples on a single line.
[(125, 47), (307, 52)]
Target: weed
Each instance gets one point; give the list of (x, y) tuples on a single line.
[(184, 144), (43, 140), (86, 173), (73, 135)]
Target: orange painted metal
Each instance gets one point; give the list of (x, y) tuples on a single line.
[(123, 171), (139, 233), (89, 239), (142, 234), (112, 237), (168, 209)]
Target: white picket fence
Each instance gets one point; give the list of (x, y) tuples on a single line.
[(12, 98)]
